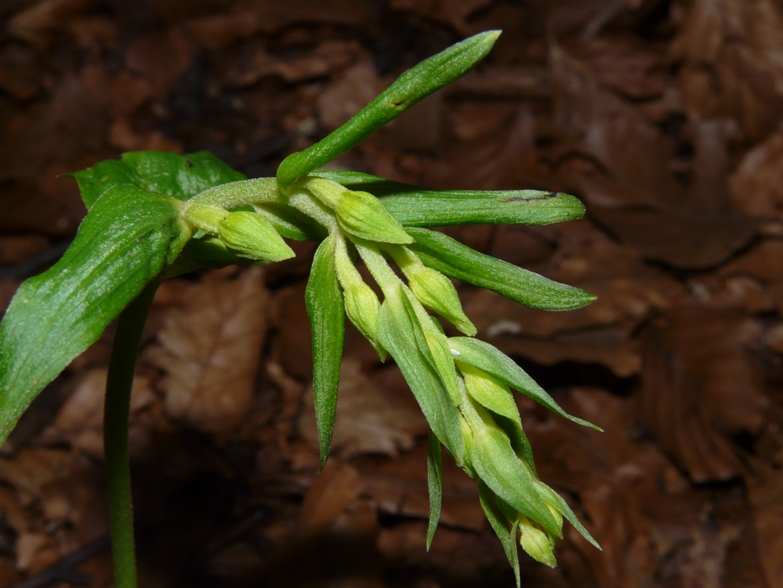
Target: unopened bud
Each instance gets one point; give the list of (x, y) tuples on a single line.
[(249, 235), (362, 307), (362, 214), (536, 542), (436, 292)]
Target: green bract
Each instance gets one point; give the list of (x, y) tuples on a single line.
[(153, 215)]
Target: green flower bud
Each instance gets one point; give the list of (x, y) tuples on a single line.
[(536, 542), (489, 392), (362, 214), (362, 307), (249, 235), (436, 292), (206, 217)]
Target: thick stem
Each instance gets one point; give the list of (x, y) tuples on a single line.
[(115, 435)]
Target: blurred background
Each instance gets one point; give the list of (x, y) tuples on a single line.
[(663, 116)]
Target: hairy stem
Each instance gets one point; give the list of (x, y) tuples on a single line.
[(115, 435)]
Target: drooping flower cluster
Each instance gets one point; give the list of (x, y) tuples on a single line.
[(463, 385)]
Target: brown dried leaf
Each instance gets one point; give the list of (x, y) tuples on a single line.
[(210, 350), (351, 92), (765, 489), (454, 13), (370, 418), (628, 292), (733, 63), (623, 63), (699, 385), (274, 16), (334, 489), (161, 57), (635, 195), (326, 59), (80, 420), (757, 184)]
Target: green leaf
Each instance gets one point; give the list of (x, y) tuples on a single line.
[(180, 176), (505, 529), (454, 259), (413, 85), (401, 334), (125, 241), (325, 308), (460, 207), (434, 484), (491, 360), (417, 207)]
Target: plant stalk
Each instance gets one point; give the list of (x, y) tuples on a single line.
[(115, 435)]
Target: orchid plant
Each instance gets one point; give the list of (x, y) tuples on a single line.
[(154, 215)]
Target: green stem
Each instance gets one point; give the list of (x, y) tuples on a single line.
[(115, 435)]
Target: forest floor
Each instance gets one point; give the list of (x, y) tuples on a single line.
[(663, 116)]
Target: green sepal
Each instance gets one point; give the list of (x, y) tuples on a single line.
[(454, 259), (497, 364), (413, 85), (126, 240), (180, 176), (434, 484), (400, 332), (325, 308), (504, 528)]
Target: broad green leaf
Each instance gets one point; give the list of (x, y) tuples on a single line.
[(417, 207), (180, 176), (125, 241), (401, 334), (505, 529), (434, 484), (454, 259), (496, 463), (325, 308), (413, 85), (491, 360)]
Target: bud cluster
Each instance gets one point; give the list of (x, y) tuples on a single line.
[(474, 415)]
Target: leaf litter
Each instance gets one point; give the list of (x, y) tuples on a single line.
[(663, 117)]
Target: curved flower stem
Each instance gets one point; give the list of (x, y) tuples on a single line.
[(115, 435)]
